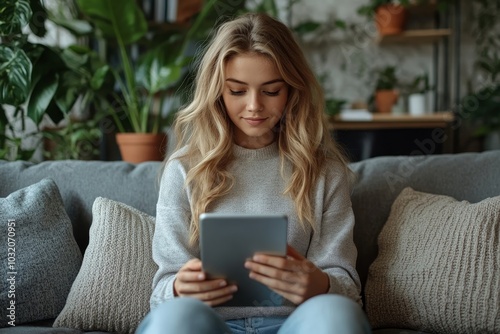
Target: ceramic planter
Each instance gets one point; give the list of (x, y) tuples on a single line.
[(390, 19), (385, 100), (141, 147)]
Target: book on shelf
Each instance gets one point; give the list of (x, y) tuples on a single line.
[(170, 11)]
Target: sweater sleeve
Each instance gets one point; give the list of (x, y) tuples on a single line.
[(332, 247), (171, 248)]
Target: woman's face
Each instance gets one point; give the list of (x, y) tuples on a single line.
[(255, 97)]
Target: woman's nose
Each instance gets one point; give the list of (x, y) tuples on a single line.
[(254, 104)]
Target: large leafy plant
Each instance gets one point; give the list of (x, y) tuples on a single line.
[(160, 69), (39, 81), (481, 105)]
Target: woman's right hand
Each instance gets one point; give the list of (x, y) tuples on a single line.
[(191, 281)]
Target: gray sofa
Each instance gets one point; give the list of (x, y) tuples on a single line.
[(465, 176)]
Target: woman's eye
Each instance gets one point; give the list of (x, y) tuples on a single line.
[(273, 93), (236, 92)]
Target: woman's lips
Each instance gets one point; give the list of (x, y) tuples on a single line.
[(255, 121)]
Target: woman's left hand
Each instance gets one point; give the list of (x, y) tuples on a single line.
[(293, 277)]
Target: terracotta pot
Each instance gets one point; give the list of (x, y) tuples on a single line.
[(141, 147), (390, 19), (385, 99)]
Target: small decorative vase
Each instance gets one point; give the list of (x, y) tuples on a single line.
[(141, 147), (417, 104)]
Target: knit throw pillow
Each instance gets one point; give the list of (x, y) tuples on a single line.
[(112, 290), (39, 255), (438, 267)]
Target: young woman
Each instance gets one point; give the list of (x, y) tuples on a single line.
[(255, 139)]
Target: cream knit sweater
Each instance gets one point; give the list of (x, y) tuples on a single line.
[(259, 189)]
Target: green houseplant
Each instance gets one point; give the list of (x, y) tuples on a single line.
[(385, 89), (39, 81), (481, 105), (158, 70)]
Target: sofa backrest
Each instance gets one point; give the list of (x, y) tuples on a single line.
[(81, 182), (465, 176)]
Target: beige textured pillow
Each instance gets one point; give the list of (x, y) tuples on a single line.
[(438, 267), (112, 290)]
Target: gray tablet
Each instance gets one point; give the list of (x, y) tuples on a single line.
[(227, 240)]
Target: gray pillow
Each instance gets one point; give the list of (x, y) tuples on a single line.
[(438, 266), (39, 255), (112, 290)]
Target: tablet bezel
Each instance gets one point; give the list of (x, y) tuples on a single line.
[(229, 239)]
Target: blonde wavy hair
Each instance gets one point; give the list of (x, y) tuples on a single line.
[(206, 132)]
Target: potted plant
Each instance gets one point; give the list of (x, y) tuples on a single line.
[(389, 15), (141, 81), (386, 94), (39, 81)]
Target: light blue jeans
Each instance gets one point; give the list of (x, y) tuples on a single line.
[(324, 314)]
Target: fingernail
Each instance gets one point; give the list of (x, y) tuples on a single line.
[(223, 283), (201, 276)]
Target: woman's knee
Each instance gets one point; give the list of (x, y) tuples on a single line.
[(327, 312), (179, 314)]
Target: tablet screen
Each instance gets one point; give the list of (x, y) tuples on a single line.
[(227, 240)]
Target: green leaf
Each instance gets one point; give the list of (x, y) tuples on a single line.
[(79, 28), (99, 77), (74, 58), (118, 19), (40, 98), (15, 76), (69, 88), (14, 15), (306, 27), (340, 24)]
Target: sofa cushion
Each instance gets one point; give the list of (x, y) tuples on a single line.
[(465, 176), (438, 267), (112, 290), (39, 255)]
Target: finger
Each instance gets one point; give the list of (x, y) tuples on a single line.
[(271, 260), (193, 265), (272, 272), (294, 298), (213, 294), (191, 276), (288, 264), (289, 286), (218, 301), (203, 286)]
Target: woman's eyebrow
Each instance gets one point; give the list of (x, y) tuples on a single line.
[(265, 83)]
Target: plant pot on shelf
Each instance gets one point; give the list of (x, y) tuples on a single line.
[(141, 147), (385, 100), (390, 19)]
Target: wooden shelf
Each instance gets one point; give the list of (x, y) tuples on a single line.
[(414, 36), (390, 121)]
